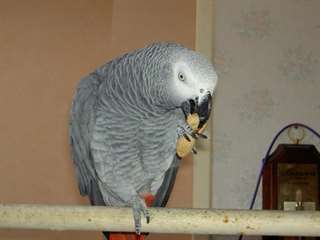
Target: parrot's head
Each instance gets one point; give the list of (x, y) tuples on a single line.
[(192, 83), (179, 78)]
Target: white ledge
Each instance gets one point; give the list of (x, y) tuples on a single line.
[(163, 220)]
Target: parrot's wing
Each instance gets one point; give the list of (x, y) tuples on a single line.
[(81, 125), (166, 187)]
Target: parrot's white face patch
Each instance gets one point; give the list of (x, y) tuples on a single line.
[(190, 83), (184, 83)]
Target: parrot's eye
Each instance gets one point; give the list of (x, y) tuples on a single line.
[(181, 76)]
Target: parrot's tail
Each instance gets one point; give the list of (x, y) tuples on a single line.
[(149, 199)]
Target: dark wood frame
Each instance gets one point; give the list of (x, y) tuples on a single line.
[(285, 153)]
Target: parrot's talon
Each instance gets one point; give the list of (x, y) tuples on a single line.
[(187, 137), (202, 135), (194, 135), (194, 151), (147, 215)]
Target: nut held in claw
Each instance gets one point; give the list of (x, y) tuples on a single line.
[(184, 147), (193, 120)]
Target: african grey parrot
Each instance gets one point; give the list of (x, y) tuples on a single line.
[(126, 118)]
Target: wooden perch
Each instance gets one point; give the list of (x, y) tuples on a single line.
[(163, 220)]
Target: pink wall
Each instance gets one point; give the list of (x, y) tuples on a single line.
[(46, 47)]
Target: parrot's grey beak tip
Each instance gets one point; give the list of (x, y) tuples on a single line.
[(204, 108)]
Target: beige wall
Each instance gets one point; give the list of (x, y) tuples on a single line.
[(268, 60), (46, 46)]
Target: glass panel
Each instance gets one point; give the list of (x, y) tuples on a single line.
[(298, 183)]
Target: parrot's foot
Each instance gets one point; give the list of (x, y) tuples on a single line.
[(186, 131), (139, 206)]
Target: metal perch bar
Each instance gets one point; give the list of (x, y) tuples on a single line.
[(163, 220)]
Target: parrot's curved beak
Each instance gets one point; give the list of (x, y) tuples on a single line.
[(201, 105), (204, 108)]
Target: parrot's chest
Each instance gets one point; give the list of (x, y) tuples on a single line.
[(158, 141), (139, 151), (155, 144)]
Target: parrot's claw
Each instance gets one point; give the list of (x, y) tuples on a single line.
[(194, 135), (194, 151), (187, 137), (201, 135), (138, 207)]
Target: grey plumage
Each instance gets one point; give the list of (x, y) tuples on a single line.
[(124, 125)]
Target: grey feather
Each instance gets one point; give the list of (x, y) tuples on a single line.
[(163, 193), (81, 125)]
